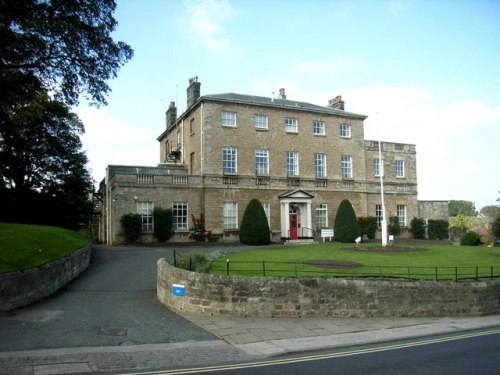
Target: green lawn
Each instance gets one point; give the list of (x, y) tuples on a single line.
[(25, 246), (448, 262)]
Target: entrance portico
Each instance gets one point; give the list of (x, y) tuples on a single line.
[(296, 215)]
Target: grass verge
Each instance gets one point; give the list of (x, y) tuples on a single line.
[(25, 246), (448, 262)]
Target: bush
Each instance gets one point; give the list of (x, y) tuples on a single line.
[(198, 229), (254, 228), (346, 227), (197, 262), (162, 217), (417, 227), (438, 229), (131, 226), (470, 238), (394, 227), (368, 226)]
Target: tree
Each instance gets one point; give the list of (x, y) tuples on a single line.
[(417, 227), (490, 211), (65, 45), (162, 217), (254, 228), (460, 207), (131, 226), (495, 227), (43, 175), (394, 227), (346, 227), (368, 226)]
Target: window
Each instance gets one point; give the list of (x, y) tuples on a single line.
[(346, 166), (260, 121), (401, 213), (230, 215), (292, 163), (180, 215), (145, 209), (321, 215), (262, 161), (378, 214), (229, 159), (228, 118), (376, 167), (267, 210), (345, 131), (191, 126), (318, 128), (320, 165), (400, 168), (291, 125)]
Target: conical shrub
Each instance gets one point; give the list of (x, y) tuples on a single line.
[(346, 227), (254, 228)]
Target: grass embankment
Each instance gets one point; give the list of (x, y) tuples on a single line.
[(24, 246), (420, 262)]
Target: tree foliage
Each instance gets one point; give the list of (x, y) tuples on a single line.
[(460, 207), (418, 227), (162, 218), (438, 229), (490, 211), (495, 227), (254, 228), (393, 226), (66, 45), (470, 238), (346, 227), (131, 226), (368, 226)]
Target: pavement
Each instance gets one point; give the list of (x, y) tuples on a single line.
[(191, 341)]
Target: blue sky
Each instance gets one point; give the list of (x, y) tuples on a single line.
[(424, 72)]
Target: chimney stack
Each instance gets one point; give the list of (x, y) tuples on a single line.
[(171, 114), (282, 94), (193, 91), (336, 103)]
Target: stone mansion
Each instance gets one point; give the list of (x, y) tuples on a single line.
[(299, 159)]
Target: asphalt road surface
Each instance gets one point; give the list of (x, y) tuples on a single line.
[(112, 303)]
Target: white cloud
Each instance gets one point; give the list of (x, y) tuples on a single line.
[(108, 140), (204, 19)]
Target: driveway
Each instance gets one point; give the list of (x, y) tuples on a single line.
[(112, 303)]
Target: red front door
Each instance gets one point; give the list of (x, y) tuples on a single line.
[(293, 226)]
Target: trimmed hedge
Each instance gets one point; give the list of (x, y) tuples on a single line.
[(417, 227), (346, 227), (131, 227), (368, 226), (254, 228), (162, 218), (470, 238), (438, 229)]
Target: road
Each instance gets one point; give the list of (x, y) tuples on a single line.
[(461, 354), (112, 303)]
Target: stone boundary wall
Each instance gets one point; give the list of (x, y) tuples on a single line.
[(323, 297), (21, 288)]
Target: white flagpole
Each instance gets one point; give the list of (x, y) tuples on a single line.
[(381, 173)]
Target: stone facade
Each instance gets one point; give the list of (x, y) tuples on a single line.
[(314, 157), (323, 297), (433, 210)]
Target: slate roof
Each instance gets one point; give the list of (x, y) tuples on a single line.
[(278, 103)]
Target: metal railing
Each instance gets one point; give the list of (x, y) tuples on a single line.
[(301, 269)]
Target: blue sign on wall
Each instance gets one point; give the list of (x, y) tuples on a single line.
[(178, 290)]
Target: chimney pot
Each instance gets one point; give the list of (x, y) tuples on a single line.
[(282, 94), (193, 91), (336, 103)]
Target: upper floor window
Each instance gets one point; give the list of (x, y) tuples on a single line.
[(229, 159), (180, 215), (318, 128), (376, 167), (345, 131), (291, 125), (292, 163), (320, 165), (145, 210), (191, 126), (346, 166), (262, 161), (260, 121), (400, 168), (228, 118), (230, 215)]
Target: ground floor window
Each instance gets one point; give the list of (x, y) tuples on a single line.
[(401, 212), (321, 215), (378, 214), (145, 209), (267, 210), (230, 215), (180, 215)]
